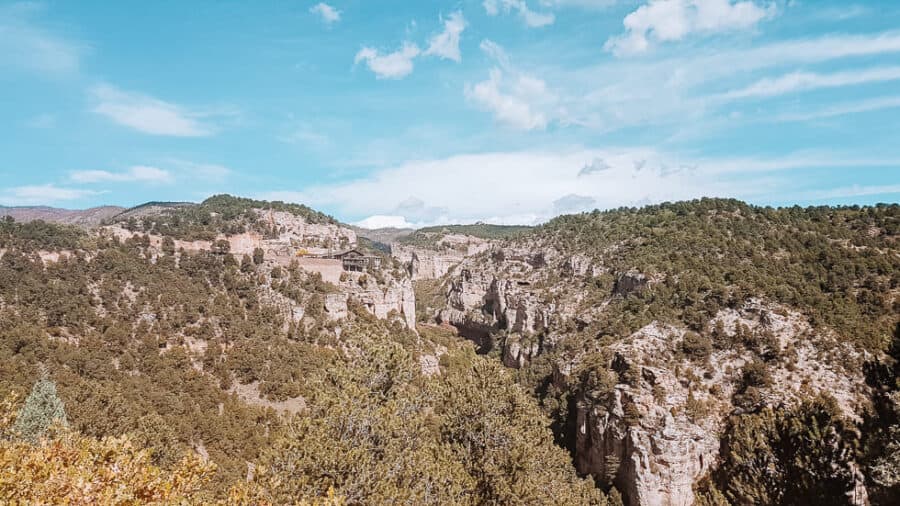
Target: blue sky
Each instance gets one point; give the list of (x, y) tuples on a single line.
[(398, 112)]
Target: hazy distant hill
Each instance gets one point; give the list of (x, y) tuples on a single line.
[(81, 217), (387, 235)]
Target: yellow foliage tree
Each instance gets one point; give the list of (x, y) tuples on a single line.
[(72, 469)]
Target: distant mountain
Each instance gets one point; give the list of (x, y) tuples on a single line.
[(80, 217), (389, 235), (150, 209)]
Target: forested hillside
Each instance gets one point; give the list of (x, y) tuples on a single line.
[(185, 366), (705, 352), (697, 335)]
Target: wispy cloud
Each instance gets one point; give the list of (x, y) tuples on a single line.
[(148, 114), (32, 195), (517, 99), (396, 65), (25, 45), (805, 81), (327, 13), (446, 43), (531, 18), (515, 103), (875, 104), (399, 64), (138, 173), (672, 90), (673, 20), (583, 4)]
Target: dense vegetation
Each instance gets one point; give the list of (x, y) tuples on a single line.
[(166, 351), (429, 236), (185, 369), (836, 264), (217, 214), (38, 235)]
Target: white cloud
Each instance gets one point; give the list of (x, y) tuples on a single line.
[(531, 18), (514, 104), (399, 64), (875, 104), (138, 173), (446, 43), (147, 114), (25, 45), (496, 52), (328, 13), (513, 187), (583, 4), (517, 100), (678, 91), (812, 50), (673, 20), (573, 203), (384, 221), (32, 195), (396, 65), (804, 81), (595, 166), (532, 186)]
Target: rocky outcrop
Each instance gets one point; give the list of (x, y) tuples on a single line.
[(336, 306), (295, 232), (381, 301), (518, 351), (393, 297), (484, 302), (424, 263), (435, 261), (657, 434), (630, 282), (656, 431), (294, 235)]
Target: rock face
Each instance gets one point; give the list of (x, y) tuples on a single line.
[(630, 282), (655, 453), (395, 296), (295, 235), (656, 431), (503, 291), (670, 439), (434, 262), (483, 304), (425, 263), (381, 301)]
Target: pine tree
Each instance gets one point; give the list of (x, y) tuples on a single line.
[(42, 409)]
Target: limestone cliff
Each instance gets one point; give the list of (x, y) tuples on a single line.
[(294, 235), (655, 435), (433, 260)]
